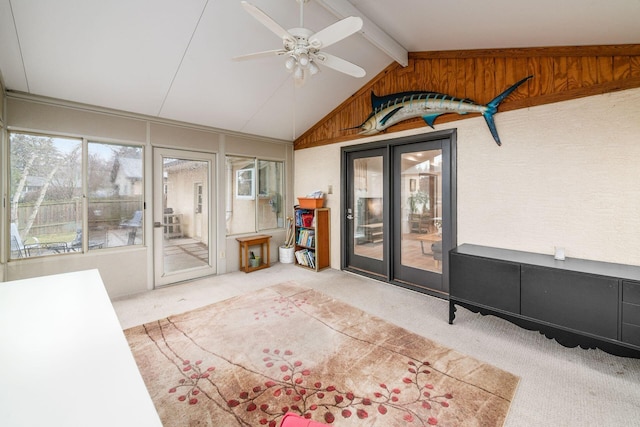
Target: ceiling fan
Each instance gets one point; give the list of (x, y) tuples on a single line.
[(302, 47)]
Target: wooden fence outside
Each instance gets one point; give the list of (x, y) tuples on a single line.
[(65, 216)]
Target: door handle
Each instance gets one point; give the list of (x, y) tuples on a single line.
[(157, 224)]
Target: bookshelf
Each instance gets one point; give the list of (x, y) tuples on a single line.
[(312, 238)]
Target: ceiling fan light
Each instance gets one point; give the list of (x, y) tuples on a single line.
[(290, 63), (298, 74), (313, 68), (303, 60)]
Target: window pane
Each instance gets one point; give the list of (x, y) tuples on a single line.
[(115, 184), (240, 210), (270, 211), (46, 195)]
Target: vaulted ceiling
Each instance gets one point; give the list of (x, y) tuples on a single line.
[(172, 59)]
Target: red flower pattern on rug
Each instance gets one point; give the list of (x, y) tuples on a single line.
[(369, 378), (296, 390)]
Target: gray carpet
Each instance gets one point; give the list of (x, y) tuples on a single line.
[(559, 386)]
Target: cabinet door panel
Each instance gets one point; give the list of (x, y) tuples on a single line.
[(631, 292), (631, 334), (631, 313), (489, 282), (578, 301)]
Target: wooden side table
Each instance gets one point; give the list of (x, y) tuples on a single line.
[(248, 241)]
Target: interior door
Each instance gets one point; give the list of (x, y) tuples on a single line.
[(366, 212), (184, 235)]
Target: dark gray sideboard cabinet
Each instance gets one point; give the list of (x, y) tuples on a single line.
[(577, 302)]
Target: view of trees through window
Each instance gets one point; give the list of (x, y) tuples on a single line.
[(115, 193), (47, 207)]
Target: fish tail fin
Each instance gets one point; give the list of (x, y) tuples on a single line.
[(493, 104), (492, 108), (488, 117)]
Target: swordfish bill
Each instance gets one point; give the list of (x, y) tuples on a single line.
[(391, 109)]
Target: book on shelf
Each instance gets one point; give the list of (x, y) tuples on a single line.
[(306, 257), (304, 218), (306, 238)]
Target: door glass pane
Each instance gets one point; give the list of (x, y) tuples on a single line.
[(115, 184), (46, 195), (421, 187), (185, 214), (368, 188)]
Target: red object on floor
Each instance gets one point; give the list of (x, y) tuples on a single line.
[(293, 420)]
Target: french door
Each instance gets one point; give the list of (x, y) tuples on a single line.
[(399, 216), (184, 232), (366, 213), (418, 257)]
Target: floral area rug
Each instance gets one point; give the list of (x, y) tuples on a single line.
[(249, 360)]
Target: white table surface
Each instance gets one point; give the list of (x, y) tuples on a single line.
[(64, 360)]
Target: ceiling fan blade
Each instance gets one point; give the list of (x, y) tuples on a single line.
[(336, 32), (266, 20), (275, 52), (339, 64)]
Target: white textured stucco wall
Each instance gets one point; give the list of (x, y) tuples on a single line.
[(567, 174)]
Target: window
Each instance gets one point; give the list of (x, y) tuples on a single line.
[(244, 184), (198, 198), (46, 194), (115, 185), (270, 179), (47, 204), (247, 212)]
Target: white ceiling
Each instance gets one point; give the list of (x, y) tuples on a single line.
[(172, 58)]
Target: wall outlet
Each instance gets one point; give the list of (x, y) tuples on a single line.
[(330, 189), (222, 254)]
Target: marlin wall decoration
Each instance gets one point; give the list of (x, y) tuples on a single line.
[(391, 109)]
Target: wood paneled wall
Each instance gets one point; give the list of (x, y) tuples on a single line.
[(560, 73)]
